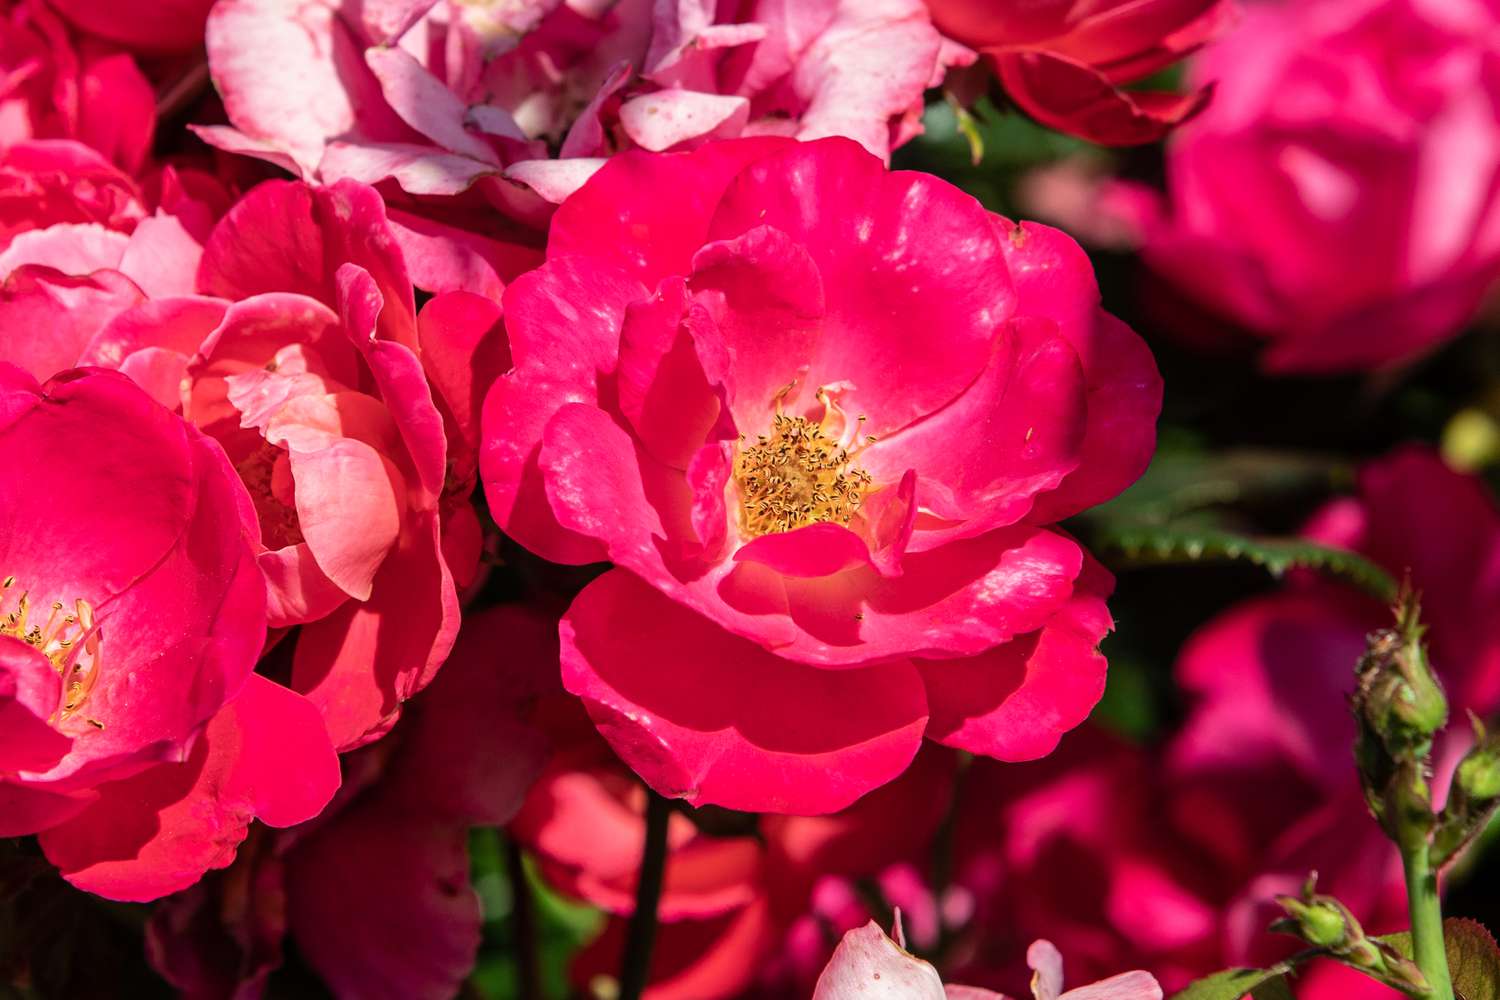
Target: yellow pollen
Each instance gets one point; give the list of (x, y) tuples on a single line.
[(70, 642), (797, 476)]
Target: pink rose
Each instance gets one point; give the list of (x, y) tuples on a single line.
[(375, 893), (288, 332), (310, 376), (1066, 63), (1172, 859), (136, 740), (1338, 198), (443, 96), (59, 86), (809, 505)]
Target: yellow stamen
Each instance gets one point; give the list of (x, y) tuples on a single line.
[(797, 475), (69, 642)]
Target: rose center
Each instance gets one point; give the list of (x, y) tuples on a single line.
[(70, 642), (796, 476)]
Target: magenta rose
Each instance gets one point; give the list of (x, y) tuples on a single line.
[(309, 373), (136, 740), (1339, 197), (822, 417), (1067, 63), (288, 332), (441, 96)]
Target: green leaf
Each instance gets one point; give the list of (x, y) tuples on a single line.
[(1273, 989), (1473, 958), (1161, 543), (1231, 984)]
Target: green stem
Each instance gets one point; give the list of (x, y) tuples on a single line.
[(1426, 919), (640, 934)]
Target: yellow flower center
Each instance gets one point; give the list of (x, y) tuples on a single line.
[(797, 475), (70, 642)]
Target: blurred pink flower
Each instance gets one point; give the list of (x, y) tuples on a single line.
[(722, 394), (136, 740), (440, 96), (56, 85), (868, 965), (750, 906), (1339, 196), (1171, 861), (376, 892), (1066, 63)]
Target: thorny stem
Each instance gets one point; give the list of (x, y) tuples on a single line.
[(1426, 919), (640, 936)]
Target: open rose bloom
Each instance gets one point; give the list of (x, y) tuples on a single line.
[(136, 740), (822, 418), (468, 461)]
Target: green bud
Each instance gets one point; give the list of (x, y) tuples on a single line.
[(1472, 798), (1320, 921), (1399, 706), (1398, 698), (1478, 775), (1326, 924)]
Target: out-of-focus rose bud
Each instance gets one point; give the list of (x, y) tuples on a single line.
[(1399, 701)]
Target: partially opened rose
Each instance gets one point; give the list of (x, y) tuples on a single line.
[(1066, 62), (135, 738), (822, 417), (310, 377), (290, 335), (1338, 198)]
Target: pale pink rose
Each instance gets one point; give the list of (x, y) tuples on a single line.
[(868, 965), (526, 99)]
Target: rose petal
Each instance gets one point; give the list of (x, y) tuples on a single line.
[(728, 723)]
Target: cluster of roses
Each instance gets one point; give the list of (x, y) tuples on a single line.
[(633, 282)]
